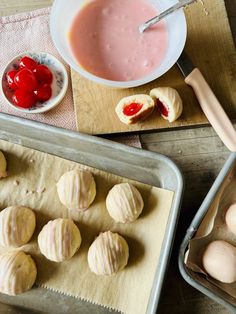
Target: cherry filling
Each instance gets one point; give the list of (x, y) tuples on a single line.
[(162, 108), (132, 109)]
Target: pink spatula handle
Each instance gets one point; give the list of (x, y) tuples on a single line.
[(212, 109)]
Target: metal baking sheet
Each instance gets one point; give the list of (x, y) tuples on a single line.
[(200, 282), (133, 163)]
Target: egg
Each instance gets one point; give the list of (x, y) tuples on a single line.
[(219, 261), (230, 218)]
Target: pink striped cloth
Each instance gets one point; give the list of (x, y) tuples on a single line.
[(30, 32)]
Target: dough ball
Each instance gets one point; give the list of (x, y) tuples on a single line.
[(17, 225), (133, 108), (230, 218), (219, 261), (108, 254), (59, 239), (124, 203), (17, 272), (3, 166), (168, 102), (76, 189)]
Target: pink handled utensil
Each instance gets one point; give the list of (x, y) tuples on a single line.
[(208, 102)]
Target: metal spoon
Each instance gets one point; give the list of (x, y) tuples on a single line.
[(159, 17)]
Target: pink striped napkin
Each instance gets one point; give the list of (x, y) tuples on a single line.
[(30, 32)]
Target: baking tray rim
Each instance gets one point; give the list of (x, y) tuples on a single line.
[(193, 228), (175, 207)]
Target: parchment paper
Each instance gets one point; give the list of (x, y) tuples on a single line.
[(31, 182), (213, 227)]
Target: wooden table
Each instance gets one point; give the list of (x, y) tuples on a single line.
[(200, 154)]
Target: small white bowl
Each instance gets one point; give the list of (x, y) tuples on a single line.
[(60, 28), (59, 83)]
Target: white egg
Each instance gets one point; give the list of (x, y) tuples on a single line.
[(219, 261), (230, 218)]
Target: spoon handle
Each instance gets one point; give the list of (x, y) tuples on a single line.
[(159, 17)]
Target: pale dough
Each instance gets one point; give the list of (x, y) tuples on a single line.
[(124, 203), (170, 98), (76, 189), (143, 113), (17, 225), (59, 239), (108, 254), (17, 272), (3, 166)]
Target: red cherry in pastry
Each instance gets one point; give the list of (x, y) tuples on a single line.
[(162, 108), (132, 109)]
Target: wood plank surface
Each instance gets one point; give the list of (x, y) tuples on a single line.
[(211, 48), (200, 154)]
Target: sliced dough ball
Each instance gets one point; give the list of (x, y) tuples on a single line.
[(219, 261), (17, 225), (108, 254), (124, 203), (76, 189), (133, 108), (17, 272), (3, 166), (59, 239), (168, 102)]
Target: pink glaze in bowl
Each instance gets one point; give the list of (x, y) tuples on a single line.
[(75, 51)]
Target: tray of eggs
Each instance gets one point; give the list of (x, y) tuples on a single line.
[(207, 258), (75, 221)]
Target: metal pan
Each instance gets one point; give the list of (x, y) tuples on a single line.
[(196, 280), (133, 163)]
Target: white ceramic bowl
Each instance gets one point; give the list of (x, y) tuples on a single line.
[(63, 12), (59, 83)]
